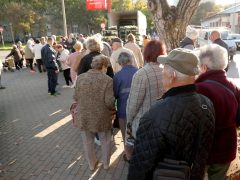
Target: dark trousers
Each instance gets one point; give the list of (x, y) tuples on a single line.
[(66, 74), (21, 63), (52, 81), (40, 65), (30, 61), (18, 65)]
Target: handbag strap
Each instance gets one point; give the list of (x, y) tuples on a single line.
[(220, 84), (203, 107)]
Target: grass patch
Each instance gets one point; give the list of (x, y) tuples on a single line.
[(7, 46)]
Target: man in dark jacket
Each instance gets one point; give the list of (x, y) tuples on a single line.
[(49, 61), (215, 37), (179, 126), (214, 84)]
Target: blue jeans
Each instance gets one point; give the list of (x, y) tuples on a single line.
[(52, 81)]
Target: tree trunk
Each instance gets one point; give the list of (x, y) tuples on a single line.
[(171, 22)]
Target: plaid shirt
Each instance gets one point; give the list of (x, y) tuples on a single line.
[(146, 88)]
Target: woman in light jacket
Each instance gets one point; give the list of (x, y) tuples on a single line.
[(73, 57), (29, 56), (62, 58), (146, 88), (94, 95)]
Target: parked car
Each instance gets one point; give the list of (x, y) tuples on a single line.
[(204, 35), (236, 38)]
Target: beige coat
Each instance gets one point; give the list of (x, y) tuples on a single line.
[(96, 103), (136, 51)]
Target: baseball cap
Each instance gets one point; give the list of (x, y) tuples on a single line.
[(182, 60)]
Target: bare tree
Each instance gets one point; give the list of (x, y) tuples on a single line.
[(171, 21)]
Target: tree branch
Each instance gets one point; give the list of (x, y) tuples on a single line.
[(184, 6), (154, 6)]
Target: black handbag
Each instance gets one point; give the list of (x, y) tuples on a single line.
[(172, 170)]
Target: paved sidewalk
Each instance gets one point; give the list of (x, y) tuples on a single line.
[(37, 138)]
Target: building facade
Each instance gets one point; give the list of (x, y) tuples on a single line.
[(229, 18)]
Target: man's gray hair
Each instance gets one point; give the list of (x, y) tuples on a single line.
[(125, 58), (214, 56), (179, 75)]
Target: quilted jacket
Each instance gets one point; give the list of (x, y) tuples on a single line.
[(179, 126)]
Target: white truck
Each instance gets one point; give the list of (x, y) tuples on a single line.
[(128, 22)]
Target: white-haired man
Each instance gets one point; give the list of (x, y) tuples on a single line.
[(179, 126), (117, 46), (214, 84)]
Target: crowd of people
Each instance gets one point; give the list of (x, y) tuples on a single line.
[(178, 105)]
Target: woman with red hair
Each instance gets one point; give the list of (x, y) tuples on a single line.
[(146, 88)]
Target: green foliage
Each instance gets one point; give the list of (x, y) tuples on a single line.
[(76, 13), (22, 15), (122, 5), (142, 6), (26, 16), (35, 13), (204, 10)]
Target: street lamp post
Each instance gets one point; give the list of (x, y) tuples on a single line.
[(64, 18), (1, 32), (11, 29)]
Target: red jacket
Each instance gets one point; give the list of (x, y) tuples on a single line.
[(225, 105)]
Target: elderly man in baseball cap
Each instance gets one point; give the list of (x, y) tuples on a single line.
[(179, 126)]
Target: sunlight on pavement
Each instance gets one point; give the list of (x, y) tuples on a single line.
[(94, 174), (54, 127), (118, 151), (74, 162), (58, 111), (15, 120)]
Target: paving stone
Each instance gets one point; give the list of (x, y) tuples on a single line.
[(26, 113)]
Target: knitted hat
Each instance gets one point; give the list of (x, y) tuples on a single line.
[(191, 33)]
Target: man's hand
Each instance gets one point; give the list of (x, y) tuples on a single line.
[(57, 71)]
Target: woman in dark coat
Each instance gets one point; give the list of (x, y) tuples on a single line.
[(95, 46)]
